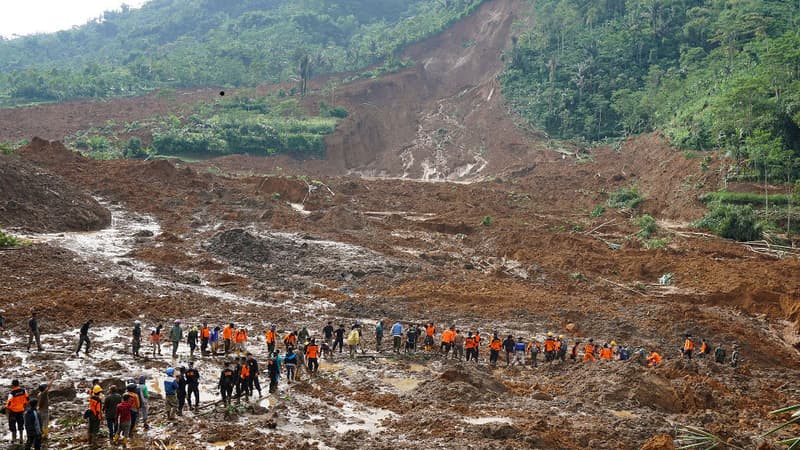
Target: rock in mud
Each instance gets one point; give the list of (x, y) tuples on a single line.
[(62, 392), (498, 431), (240, 246)]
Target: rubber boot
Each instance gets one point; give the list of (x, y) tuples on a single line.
[(13, 436)]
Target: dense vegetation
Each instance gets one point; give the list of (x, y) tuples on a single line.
[(260, 126), (713, 74), (182, 43)]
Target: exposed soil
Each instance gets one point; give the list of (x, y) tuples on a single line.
[(515, 251)]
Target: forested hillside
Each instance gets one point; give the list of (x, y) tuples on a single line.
[(182, 43), (712, 74)]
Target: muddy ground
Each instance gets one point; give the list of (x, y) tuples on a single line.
[(366, 235)]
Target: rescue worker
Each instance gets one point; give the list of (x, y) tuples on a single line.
[(494, 349), (193, 386), (447, 340), (508, 346), (243, 386), (534, 348), (477, 349), (33, 426), (15, 410), (606, 353), (110, 409), (271, 336), (155, 340), (205, 337), (176, 336), (255, 383), (397, 336), (171, 393), (180, 378), (227, 337), (719, 354), (95, 414), (226, 382), (654, 359), (469, 347), (240, 341), (33, 332), (430, 332), (290, 361), (561, 344), (132, 389), (274, 373), (84, 337), (353, 340), (291, 341), (549, 347), (688, 346), (588, 351), (312, 355), (136, 338), (573, 355), (704, 350), (519, 353)]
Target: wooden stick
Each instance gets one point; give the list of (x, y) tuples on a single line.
[(600, 226), (623, 286)]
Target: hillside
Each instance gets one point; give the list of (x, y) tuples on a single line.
[(183, 43)]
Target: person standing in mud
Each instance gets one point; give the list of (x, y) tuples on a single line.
[(735, 356), (180, 378), (143, 401), (240, 341), (411, 339), (562, 348), (688, 346), (33, 332), (573, 355), (327, 333), (458, 345), (95, 414), (533, 350), (136, 338), (176, 336), (430, 332), (255, 371), (213, 340), (110, 409), (494, 349), (191, 340), (312, 356), (378, 335), (15, 410), (171, 393), (272, 337), (274, 374), (193, 386), (84, 337), (397, 336), (33, 426), (353, 340), (508, 346), (226, 382), (719, 354), (227, 337), (155, 340), (290, 361), (205, 335), (339, 341), (43, 398)]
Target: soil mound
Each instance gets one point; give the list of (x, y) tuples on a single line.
[(288, 189), (50, 154), (240, 246), (38, 201), (460, 383)]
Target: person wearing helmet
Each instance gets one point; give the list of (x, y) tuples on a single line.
[(171, 393), (175, 335), (549, 347), (95, 414), (136, 338), (562, 348), (588, 351)]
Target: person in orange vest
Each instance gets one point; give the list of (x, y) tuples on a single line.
[(704, 350), (271, 336), (227, 337), (588, 351), (240, 340), (688, 346), (476, 351), (312, 356), (290, 341), (430, 331), (469, 346), (654, 359), (447, 340), (494, 349), (95, 414), (155, 340), (15, 408), (606, 353), (205, 335), (549, 347), (243, 385)]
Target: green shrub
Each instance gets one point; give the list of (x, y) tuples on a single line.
[(743, 198), (7, 240), (598, 211), (733, 222), (133, 149), (625, 197), (487, 221), (647, 226)]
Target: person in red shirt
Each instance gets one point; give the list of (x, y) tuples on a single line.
[(124, 418)]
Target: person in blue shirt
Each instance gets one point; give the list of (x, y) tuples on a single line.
[(519, 353), (378, 335), (171, 392), (213, 340), (290, 361), (397, 336)]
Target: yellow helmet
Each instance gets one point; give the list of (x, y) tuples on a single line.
[(561, 336), (613, 342), (549, 333), (97, 389)]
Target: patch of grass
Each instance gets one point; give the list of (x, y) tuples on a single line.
[(738, 222), (656, 244), (9, 240), (487, 221), (744, 198), (598, 211), (647, 226), (627, 197)]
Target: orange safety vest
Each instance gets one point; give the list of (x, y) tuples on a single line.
[(654, 359), (227, 332), (290, 339), (241, 335), (588, 353), (96, 406), (205, 333), (447, 336), (270, 337), (470, 343), (549, 345), (312, 351), (430, 330), (703, 348), (688, 345), (606, 354), (17, 400), (134, 400), (245, 372), (477, 340), (496, 345)]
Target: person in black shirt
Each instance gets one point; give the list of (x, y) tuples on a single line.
[(33, 332), (193, 386), (84, 337), (226, 382), (327, 333), (339, 338)]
